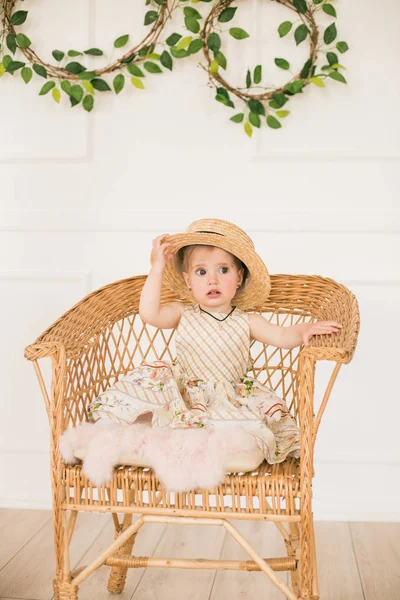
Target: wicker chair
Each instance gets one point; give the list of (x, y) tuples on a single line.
[(102, 337)]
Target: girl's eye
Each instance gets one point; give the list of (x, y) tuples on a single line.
[(202, 271), (224, 269)]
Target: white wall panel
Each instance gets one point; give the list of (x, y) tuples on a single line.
[(83, 196)]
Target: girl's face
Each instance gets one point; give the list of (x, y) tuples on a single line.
[(214, 278)]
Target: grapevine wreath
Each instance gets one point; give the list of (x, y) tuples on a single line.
[(260, 103)]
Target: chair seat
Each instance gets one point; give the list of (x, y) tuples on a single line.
[(238, 462), (264, 490)]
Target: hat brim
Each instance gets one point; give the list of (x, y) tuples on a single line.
[(257, 287)]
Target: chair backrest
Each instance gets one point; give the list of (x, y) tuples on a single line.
[(108, 337)]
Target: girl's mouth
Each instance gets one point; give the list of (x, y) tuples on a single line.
[(213, 294)]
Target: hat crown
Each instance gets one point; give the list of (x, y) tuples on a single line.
[(220, 227)]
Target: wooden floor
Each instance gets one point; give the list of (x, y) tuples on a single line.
[(356, 561)]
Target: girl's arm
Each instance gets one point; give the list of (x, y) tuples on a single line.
[(288, 337), (166, 316)]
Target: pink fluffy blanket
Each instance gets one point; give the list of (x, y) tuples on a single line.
[(182, 459)]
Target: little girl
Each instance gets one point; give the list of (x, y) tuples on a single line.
[(216, 269)]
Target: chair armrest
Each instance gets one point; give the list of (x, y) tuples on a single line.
[(339, 304)]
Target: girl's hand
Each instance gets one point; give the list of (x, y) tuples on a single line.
[(319, 328), (160, 251)]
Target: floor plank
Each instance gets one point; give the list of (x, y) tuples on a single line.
[(17, 527), (95, 586), (29, 574), (235, 585), (338, 575), (182, 541), (377, 549)]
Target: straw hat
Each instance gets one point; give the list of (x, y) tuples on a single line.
[(229, 237)]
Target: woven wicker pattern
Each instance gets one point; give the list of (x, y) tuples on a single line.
[(102, 337)]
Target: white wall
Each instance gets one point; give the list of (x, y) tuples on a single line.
[(82, 196)]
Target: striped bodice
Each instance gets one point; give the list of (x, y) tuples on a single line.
[(210, 349)]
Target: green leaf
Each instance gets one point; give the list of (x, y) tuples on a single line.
[(254, 119), (191, 12), (248, 129), (46, 88), (58, 54), (86, 75), (66, 86), (342, 47), (257, 74), (88, 103), (146, 50), (11, 43), (330, 34), (88, 87), (118, 83), (214, 66), (173, 39), (135, 70), (224, 100), (14, 65), (317, 81), (237, 118), (223, 92), (121, 41), (138, 83), (192, 24), (195, 46), (273, 123), (19, 17), (238, 33), (76, 92), (282, 113), (221, 59), (56, 95), (337, 76), (150, 17), (184, 43), (94, 52), (75, 68), (214, 42), (73, 53), (256, 107), (305, 72), (26, 74), (6, 60), (300, 34), (278, 100), (166, 60), (152, 67), (329, 10), (23, 41), (294, 87), (40, 70), (301, 6), (332, 58), (179, 53), (129, 58), (100, 85), (227, 14), (248, 78), (284, 28), (282, 63)]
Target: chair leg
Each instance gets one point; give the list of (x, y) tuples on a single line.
[(308, 562), (116, 581), (64, 590), (292, 548)]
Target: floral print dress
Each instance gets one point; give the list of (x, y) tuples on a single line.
[(205, 386)]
